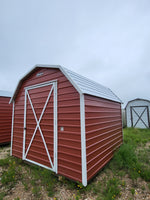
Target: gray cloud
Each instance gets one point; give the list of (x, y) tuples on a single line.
[(107, 41)]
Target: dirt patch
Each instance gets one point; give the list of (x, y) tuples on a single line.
[(19, 191), (4, 152), (138, 190)]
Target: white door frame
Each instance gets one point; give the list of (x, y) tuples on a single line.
[(54, 90)]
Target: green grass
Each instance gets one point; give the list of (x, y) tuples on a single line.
[(2, 195), (112, 189), (131, 159), (136, 137)]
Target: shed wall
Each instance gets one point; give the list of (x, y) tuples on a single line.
[(103, 132), (5, 119), (135, 103), (69, 140)]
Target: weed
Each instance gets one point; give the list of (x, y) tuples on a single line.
[(4, 162), (132, 191), (50, 190), (145, 174), (9, 175), (121, 173), (143, 188), (49, 180), (112, 189), (123, 184), (36, 191), (26, 187), (144, 156), (2, 195), (125, 157), (77, 197), (97, 188)]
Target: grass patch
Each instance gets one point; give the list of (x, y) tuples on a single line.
[(136, 137), (112, 189), (11, 173), (129, 159), (125, 158), (2, 195), (4, 162)]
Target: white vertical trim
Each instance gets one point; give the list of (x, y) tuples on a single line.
[(83, 140), (12, 126), (55, 128), (24, 128)]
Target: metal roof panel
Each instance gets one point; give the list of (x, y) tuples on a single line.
[(90, 87)]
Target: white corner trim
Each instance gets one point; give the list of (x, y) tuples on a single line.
[(83, 140), (55, 130), (12, 126)]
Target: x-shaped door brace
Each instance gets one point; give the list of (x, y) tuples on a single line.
[(139, 117), (38, 125)]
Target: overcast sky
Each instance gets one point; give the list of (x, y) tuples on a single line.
[(106, 41)]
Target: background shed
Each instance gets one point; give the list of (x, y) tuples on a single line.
[(5, 117), (138, 113), (65, 122)]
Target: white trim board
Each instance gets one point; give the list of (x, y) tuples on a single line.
[(12, 127), (83, 141)]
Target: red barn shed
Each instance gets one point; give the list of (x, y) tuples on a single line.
[(65, 122), (5, 117)]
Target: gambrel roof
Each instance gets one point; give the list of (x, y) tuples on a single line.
[(83, 85)]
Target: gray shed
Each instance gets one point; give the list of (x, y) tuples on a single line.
[(138, 113)]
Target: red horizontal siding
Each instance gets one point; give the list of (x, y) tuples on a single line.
[(103, 132), (5, 119), (69, 140)]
